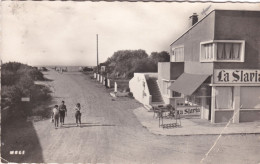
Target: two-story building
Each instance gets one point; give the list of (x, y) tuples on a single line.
[(214, 70)]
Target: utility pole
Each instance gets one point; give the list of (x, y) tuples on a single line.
[(97, 55)]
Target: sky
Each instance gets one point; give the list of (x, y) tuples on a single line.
[(64, 33)]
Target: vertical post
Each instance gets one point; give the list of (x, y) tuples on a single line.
[(203, 102), (236, 104), (108, 83), (115, 89), (97, 55), (101, 79), (176, 110), (213, 104), (203, 107)]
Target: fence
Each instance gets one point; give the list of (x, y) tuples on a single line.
[(101, 79)]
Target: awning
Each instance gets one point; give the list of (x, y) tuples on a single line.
[(188, 83)]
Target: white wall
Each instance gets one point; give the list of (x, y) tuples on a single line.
[(138, 86)]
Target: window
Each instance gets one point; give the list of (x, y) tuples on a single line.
[(177, 54), (166, 84), (224, 97), (207, 52), (222, 51), (250, 97), (176, 94), (167, 92), (193, 100)]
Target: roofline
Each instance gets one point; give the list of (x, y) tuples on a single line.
[(191, 27), (204, 18)]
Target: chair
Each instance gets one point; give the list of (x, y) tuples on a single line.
[(156, 112)]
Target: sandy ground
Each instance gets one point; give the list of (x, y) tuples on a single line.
[(111, 133)]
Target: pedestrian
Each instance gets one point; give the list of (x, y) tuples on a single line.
[(78, 114), (63, 112), (56, 115), (106, 83)]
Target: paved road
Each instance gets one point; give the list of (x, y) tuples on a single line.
[(111, 133)]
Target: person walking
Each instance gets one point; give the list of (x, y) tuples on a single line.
[(56, 115), (63, 112), (106, 82), (78, 114)]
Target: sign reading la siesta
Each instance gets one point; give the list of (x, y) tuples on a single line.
[(236, 76)]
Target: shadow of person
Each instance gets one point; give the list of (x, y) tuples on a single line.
[(93, 125), (84, 125)]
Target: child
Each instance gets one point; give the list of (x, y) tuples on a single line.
[(78, 114), (63, 111), (56, 115)]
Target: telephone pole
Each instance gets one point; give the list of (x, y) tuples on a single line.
[(97, 55)]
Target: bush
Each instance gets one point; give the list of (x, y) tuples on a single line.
[(11, 96), (8, 78), (40, 93), (130, 94), (127, 62), (18, 81), (145, 65)]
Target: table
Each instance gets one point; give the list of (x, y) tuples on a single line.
[(161, 111)]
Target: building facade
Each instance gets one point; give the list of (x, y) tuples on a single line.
[(214, 70)]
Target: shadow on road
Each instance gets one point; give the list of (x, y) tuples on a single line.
[(20, 142), (82, 123), (71, 125)]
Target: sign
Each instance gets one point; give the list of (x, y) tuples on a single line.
[(103, 68), (188, 110), (237, 76), (25, 99)]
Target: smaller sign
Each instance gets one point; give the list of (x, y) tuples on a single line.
[(103, 68), (25, 99), (188, 110)]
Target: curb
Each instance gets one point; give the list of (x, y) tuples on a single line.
[(151, 129)]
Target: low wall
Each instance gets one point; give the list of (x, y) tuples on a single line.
[(244, 116), (249, 115), (223, 116), (138, 86)]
